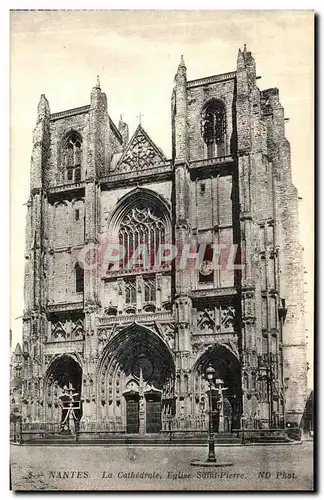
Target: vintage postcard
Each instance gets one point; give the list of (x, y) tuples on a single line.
[(162, 250)]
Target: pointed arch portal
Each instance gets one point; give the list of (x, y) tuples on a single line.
[(136, 379), (226, 405), (63, 371)]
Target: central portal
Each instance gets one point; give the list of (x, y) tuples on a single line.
[(136, 381)]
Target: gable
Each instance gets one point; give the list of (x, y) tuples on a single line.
[(140, 154)]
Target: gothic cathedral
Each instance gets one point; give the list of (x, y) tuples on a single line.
[(135, 331)]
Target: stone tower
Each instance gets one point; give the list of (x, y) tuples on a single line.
[(142, 271)]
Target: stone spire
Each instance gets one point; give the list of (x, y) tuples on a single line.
[(97, 86), (181, 73), (43, 109), (41, 144), (18, 349), (180, 100), (240, 60), (182, 63)]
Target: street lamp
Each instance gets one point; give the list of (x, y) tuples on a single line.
[(211, 459), (243, 426), (269, 362), (210, 373)]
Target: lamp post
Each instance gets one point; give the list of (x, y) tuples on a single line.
[(210, 373), (282, 313), (269, 362), (211, 459), (243, 426)]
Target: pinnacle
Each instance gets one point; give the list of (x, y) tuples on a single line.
[(43, 109), (97, 86), (18, 349), (182, 63), (240, 54), (42, 100)]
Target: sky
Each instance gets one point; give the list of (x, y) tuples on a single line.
[(136, 54)]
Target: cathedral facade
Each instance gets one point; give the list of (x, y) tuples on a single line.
[(143, 271)]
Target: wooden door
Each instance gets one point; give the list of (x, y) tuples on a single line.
[(132, 418), (153, 414)]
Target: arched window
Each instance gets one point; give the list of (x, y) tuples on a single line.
[(79, 279), (130, 291), (149, 290), (253, 381), (265, 349), (142, 225), (274, 343), (73, 154), (213, 128), (264, 389), (246, 380)]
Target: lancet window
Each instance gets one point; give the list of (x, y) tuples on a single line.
[(213, 128), (149, 290), (79, 279), (130, 292), (72, 157)]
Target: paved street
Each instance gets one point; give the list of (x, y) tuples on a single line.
[(279, 467)]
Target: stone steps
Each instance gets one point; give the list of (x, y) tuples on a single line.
[(150, 439), (129, 439)]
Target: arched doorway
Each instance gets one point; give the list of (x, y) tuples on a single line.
[(136, 378), (225, 397), (64, 371)]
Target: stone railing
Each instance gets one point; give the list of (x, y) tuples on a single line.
[(213, 292), (211, 162), (66, 187), (112, 426), (131, 318), (41, 427), (189, 423), (70, 112), (164, 168), (64, 306), (211, 79), (117, 273)]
